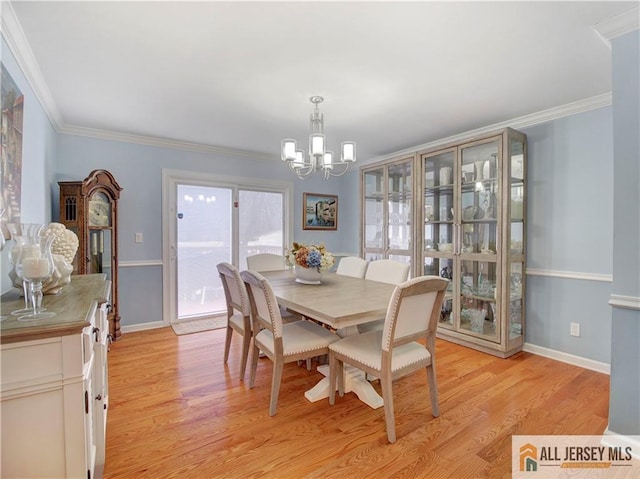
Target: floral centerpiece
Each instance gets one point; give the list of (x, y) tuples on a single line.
[(310, 261), (310, 256)]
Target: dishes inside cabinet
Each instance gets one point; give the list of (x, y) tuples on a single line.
[(445, 247), (469, 213)]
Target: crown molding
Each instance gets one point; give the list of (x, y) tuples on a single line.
[(619, 25), (162, 142), (544, 116), (19, 46)]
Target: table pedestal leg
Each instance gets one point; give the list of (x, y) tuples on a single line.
[(354, 381)]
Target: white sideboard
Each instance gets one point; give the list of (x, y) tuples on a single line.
[(54, 384)]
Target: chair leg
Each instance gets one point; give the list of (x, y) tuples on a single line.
[(333, 375), (433, 390), (387, 397), (275, 386), (246, 344), (308, 364), (227, 343), (340, 373), (254, 365)]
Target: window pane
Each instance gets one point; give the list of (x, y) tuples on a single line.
[(261, 223)]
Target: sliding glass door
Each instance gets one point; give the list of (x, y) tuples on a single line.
[(204, 232), (212, 221), (261, 220)]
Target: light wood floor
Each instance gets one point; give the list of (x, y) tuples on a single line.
[(176, 411)]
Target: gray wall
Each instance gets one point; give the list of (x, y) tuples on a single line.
[(624, 398), (570, 234)]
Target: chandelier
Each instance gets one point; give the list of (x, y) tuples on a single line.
[(320, 159)]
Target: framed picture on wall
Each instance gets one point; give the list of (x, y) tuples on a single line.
[(319, 212), (11, 152)]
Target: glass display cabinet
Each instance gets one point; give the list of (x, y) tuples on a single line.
[(473, 214), (89, 208), (387, 210)]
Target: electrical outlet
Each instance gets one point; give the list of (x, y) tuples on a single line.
[(575, 329), (138, 237)]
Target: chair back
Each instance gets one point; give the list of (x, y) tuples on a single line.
[(413, 312), (387, 271), (235, 291), (265, 313), (352, 266), (265, 262)]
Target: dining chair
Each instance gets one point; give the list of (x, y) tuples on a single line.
[(384, 271), (273, 262), (265, 262), (281, 342), (238, 311), (412, 315), (387, 271), (352, 266)]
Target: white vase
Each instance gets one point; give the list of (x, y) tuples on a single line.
[(307, 275)]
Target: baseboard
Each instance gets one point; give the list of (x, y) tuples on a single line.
[(142, 327), (568, 358), (612, 439)]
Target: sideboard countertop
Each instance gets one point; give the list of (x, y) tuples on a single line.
[(74, 306)]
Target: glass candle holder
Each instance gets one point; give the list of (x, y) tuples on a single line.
[(35, 265), (20, 233)]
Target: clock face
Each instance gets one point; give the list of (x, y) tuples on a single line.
[(99, 211)]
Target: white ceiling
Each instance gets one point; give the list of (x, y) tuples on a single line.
[(238, 75)]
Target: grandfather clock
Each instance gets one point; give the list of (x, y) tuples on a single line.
[(89, 208)]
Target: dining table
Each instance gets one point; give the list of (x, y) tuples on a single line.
[(342, 303)]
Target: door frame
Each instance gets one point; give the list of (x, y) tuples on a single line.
[(170, 180)]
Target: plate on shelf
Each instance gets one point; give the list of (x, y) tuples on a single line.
[(469, 213)]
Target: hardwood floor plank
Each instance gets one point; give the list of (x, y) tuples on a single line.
[(176, 410)]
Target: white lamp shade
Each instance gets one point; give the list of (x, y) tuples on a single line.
[(327, 160), (316, 144), (288, 150), (299, 159), (348, 151)]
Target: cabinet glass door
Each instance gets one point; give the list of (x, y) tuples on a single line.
[(99, 237), (477, 242), (515, 240), (438, 254), (400, 200), (388, 211), (374, 212)]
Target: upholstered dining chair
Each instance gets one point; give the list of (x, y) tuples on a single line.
[(265, 262), (281, 343), (273, 262), (352, 266), (238, 311), (384, 271), (387, 271), (412, 315)]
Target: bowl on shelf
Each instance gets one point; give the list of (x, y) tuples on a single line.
[(445, 247), (469, 213)]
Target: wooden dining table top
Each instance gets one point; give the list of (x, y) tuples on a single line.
[(339, 301)]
